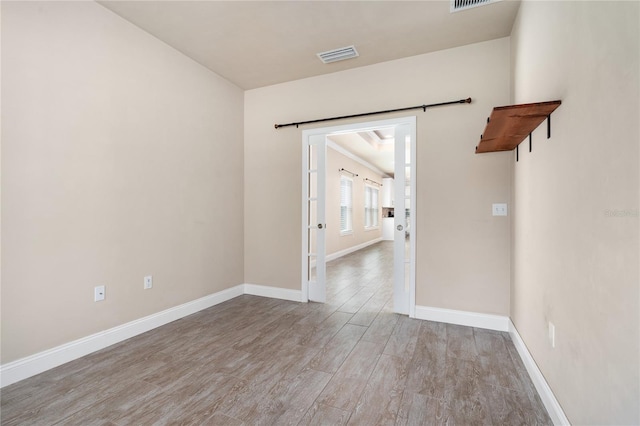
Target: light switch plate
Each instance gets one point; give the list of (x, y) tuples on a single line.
[(98, 293), (499, 209)]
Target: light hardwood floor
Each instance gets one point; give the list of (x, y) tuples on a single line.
[(254, 360)]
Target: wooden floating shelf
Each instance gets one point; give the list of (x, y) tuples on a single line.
[(509, 125)]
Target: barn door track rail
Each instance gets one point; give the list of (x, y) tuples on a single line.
[(365, 114)]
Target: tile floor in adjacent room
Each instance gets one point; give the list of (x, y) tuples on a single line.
[(254, 360)]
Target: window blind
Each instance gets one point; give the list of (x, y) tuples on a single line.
[(346, 204), (370, 207)]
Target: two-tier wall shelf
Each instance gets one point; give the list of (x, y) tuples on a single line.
[(509, 125)]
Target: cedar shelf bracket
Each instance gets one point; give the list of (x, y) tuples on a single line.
[(509, 125)]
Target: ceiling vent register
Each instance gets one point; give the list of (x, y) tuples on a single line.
[(458, 5), (338, 54)]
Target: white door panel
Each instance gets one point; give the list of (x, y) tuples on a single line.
[(402, 227), (313, 210), (314, 192)]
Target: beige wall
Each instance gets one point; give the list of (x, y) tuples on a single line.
[(335, 241), (463, 252), (575, 264), (120, 158)]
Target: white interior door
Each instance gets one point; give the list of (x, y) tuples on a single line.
[(314, 223), (313, 210), (404, 223)]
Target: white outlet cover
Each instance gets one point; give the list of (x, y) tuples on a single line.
[(98, 293), (499, 209), (148, 282)]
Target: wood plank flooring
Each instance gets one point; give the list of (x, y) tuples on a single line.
[(259, 361)]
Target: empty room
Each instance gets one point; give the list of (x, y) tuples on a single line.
[(320, 212)]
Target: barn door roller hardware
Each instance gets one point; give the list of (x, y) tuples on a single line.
[(365, 114)]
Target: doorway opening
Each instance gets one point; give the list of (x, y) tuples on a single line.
[(358, 201)]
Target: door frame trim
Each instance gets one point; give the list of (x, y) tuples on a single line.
[(411, 121)]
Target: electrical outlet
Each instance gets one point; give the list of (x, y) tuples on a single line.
[(98, 293), (552, 334), (148, 282), (499, 209)]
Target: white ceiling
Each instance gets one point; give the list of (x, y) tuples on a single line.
[(374, 147), (260, 43)]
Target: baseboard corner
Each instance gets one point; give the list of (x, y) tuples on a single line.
[(469, 319), (273, 292)]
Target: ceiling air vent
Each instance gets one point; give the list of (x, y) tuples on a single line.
[(338, 54), (458, 5)]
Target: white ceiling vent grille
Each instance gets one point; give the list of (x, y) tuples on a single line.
[(458, 5), (338, 54)]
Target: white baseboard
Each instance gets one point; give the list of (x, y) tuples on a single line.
[(30, 366), (23, 368), (336, 255), (35, 364), (273, 292), (501, 323), (546, 394), (470, 319)]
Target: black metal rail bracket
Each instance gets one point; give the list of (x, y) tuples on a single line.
[(530, 144)]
